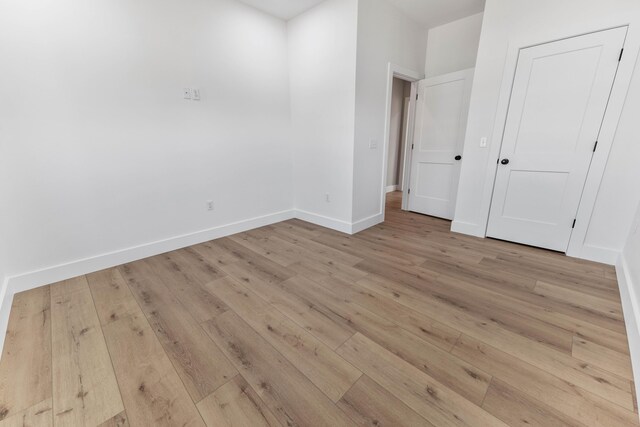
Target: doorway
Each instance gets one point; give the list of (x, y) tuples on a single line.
[(398, 134), (395, 160), (558, 102)]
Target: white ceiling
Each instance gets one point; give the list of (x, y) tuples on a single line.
[(429, 13), (432, 13), (283, 9)]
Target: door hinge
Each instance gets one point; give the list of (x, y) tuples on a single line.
[(595, 146), (417, 95), (574, 224), (412, 146), (620, 57), (409, 192)]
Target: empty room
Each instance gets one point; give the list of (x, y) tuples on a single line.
[(330, 213)]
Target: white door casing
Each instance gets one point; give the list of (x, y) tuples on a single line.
[(440, 125), (404, 143), (558, 101)]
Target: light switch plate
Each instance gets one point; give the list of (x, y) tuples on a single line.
[(196, 94)]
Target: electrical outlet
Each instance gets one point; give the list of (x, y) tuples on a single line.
[(327, 198), (373, 144), (186, 93), (209, 205), (196, 94)]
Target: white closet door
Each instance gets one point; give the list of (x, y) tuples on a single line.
[(440, 125), (558, 101)]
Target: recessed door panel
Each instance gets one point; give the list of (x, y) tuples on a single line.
[(554, 126), (442, 106), (542, 206), (436, 179)]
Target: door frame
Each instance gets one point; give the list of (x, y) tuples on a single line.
[(404, 142), (577, 246), (413, 77)]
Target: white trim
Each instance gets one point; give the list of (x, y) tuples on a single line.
[(26, 281), (577, 244), (404, 141), (577, 247), (408, 153), (324, 221), (22, 282), (53, 274), (598, 254), (466, 228), (77, 268), (363, 224), (631, 313), (6, 299), (412, 76), (339, 225), (404, 73), (391, 188)]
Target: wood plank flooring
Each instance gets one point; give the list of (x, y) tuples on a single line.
[(296, 325)]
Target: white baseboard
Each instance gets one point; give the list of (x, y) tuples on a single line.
[(26, 281), (467, 228), (324, 221), (391, 188), (365, 223), (5, 309), (23, 282), (631, 311), (339, 225), (597, 254)]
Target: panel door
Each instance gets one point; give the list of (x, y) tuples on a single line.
[(440, 125), (558, 101)]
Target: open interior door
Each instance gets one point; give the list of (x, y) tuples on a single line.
[(440, 126)]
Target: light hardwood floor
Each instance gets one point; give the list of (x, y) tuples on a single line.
[(296, 325)]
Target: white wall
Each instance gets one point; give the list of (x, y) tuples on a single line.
[(5, 182), (631, 253), (3, 271), (101, 151), (4, 226), (628, 271), (509, 20), (322, 58), (453, 46), (631, 257), (619, 193), (385, 35)]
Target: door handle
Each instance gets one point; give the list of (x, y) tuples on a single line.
[(505, 161), (458, 157)]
